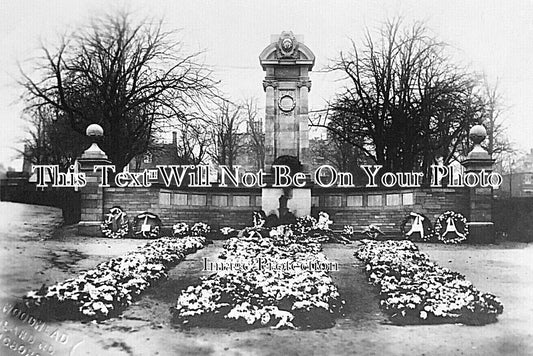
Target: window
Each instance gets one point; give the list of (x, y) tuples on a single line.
[(315, 201), (375, 200), (258, 200), (354, 200), (528, 178), (147, 158)]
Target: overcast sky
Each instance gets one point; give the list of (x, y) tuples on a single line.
[(494, 37)]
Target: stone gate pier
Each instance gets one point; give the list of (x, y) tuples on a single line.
[(480, 200), (92, 195)]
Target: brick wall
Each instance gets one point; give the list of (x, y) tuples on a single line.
[(386, 208), (234, 206), (218, 207)]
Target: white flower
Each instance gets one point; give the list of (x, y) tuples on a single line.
[(113, 283), (226, 230), (422, 284), (255, 295), (265, 318)]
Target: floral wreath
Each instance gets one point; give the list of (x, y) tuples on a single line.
[(457, 222), (323, 221), (180, 229), (427, 233), (200, 229), (259, 219), (373, 232), (348, 231), (305, 224), (146, 225), (115, 224)]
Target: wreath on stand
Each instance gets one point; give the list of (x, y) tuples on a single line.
[(146, 225), (259, 219), (451, 228), (420, 227), (373, 232), (115, 224)]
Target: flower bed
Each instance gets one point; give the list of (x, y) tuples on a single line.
[(102, 292), (271, 283), (415, 290)]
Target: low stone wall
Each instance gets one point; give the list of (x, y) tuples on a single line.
[(217, 206), (386, 208), (234, 206)]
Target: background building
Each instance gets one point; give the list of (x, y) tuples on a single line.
[(517, 184)]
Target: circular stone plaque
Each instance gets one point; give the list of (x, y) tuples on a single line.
[(286, 103)]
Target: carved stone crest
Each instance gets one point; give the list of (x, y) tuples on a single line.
[(287, 46)]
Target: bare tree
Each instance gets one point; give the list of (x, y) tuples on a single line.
[(255, 133), (193, 143), (133, 78), (228, 139), (51, 140), (342, 155), (497, 143), (406, 105)]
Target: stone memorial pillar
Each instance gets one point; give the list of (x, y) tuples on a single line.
[(287, 62), (480, 199), (92, 196)]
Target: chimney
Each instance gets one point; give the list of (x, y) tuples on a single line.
[(26, 163), (174, 138)]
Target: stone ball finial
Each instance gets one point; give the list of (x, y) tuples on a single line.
[(94, 130), (477, 134)]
